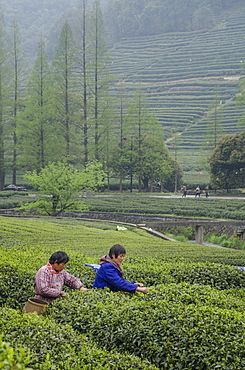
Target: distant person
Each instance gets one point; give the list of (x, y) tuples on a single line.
[(184, 191), (198, 191), (51, 278), (110, 273), (206, 191)]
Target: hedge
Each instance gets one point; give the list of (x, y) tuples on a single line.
[(15, 286), (13, 358), (192, 317), (171, 335), (56, 346)]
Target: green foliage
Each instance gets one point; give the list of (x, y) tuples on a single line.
[(55, 346), (9, 199), (232, 209), (227, 162), (15, 286), (13, 359), (193, 315), (64, 81), (183, 333), (34, 128), (127, 18), (226, 241), (218, 276), (60, 183)]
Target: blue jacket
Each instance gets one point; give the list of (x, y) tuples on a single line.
[(108, 276)]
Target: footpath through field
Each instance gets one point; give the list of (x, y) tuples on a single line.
[(212, 196)]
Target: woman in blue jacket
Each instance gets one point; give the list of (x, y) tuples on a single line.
[(110, 273)]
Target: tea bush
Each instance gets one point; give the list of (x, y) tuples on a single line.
[(153, 272), (170, 334), (15, 286), (192, 318), (13, 359), (215, 275), (55, 346), (37, 239), (189, 207)]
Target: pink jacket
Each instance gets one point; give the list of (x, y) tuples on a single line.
[(48, 285)]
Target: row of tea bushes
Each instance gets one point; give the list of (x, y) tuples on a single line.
[(37, 239), (192, 317), (16, 285), (211, 208), (213, 274), (52, 345), (170, 334)]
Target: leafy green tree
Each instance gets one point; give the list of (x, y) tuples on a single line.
[(122, 158), (227, 162), (125, 159), (60, 184), (136, 125), (156, 164), (142, 121)]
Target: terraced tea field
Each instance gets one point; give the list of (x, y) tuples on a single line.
[(182, 75)]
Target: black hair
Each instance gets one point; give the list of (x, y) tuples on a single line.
[(117, 249), (59, 257)]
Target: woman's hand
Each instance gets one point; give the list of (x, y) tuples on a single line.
[(139, 284), (83, 289), (142, 289)]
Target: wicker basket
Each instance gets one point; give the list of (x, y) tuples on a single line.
[(35, 305)]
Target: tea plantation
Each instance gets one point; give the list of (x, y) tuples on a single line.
[(192, 317), (213, 207), (184, 74)]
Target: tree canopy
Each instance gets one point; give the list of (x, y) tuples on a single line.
[(227, 162), (60, 183)]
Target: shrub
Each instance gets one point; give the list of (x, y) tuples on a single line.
[(13, 359), (215, 275), (55, 346), (15, 286), (170, 334)]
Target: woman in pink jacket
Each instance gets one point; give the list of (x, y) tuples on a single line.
[(51, 278)]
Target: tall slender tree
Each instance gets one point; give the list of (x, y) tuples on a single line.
[(39, 136), (143, 121), (81, 39), (138, 127), (19, 72), (3, 95), (100, 76), (64, 83)]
